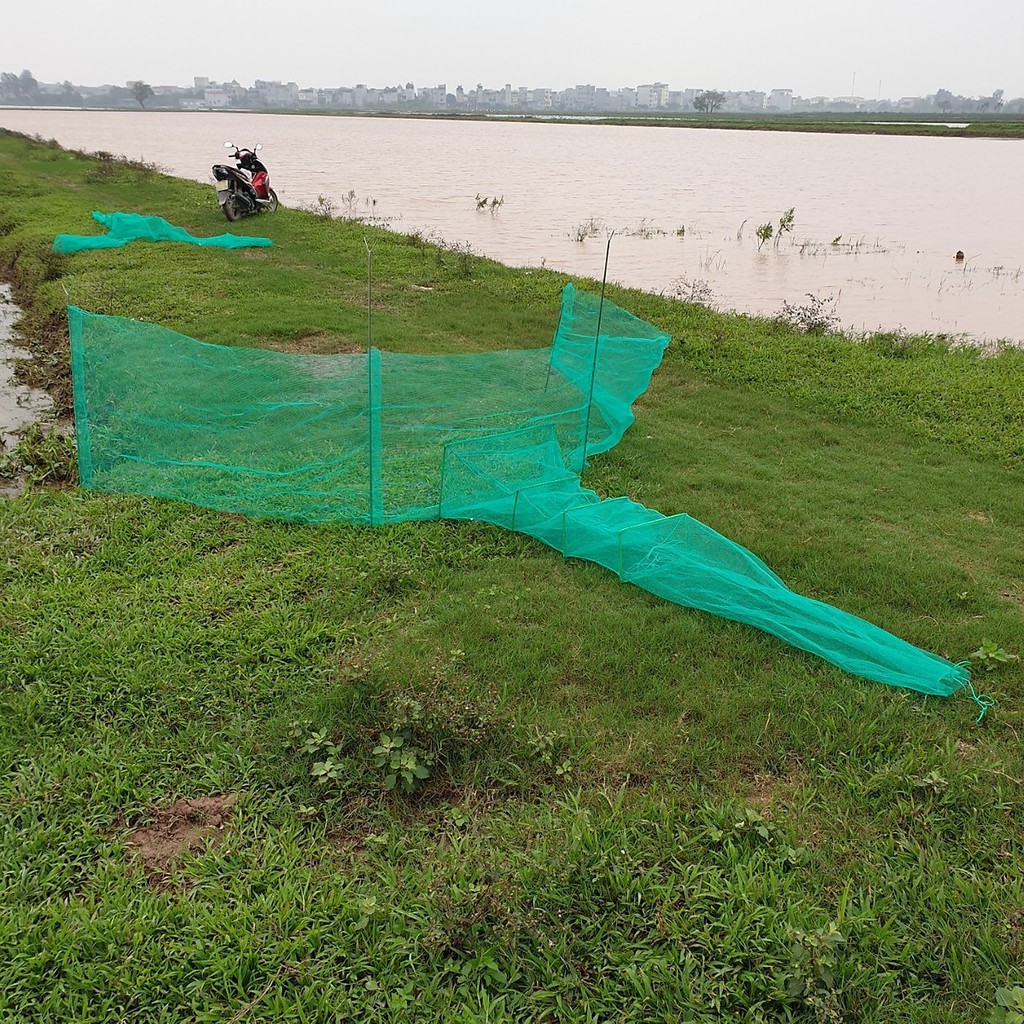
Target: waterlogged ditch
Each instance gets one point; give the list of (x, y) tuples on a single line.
[(20, 406)]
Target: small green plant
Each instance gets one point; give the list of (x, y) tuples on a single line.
[(752, 822), (693, 290), (811, 978), (489, 203), (932, 783), (546, 747), (1009, 1008), (752, 827), (816, 316), (317, 742), (548, 750), (404, 767), (481, 971), (646, 229), (767, 231), (590, 228), (322, 207), (296, 732), (990, 656), (327, 771), (460, 817), (455, 256), (368, 909), (785, 224)]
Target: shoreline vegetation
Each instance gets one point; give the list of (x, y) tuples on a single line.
[(602, 806), (992, 126), (1010, 127)]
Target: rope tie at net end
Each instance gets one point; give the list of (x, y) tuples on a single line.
[(983, 700)]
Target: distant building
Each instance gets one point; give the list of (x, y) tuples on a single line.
[(748, 101), (215, 97), (435, 98), (627, 99), (780, 100), (652, 97), (276, 94)]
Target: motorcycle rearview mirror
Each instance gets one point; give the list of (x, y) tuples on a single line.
[(259, 146), (229, 145)]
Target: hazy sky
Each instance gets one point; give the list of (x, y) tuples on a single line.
[(815, 47)]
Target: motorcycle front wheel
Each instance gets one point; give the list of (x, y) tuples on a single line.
[(232, 209), (273, 204)]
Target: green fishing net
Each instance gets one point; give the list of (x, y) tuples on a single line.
[(123, 228), (381, 437)]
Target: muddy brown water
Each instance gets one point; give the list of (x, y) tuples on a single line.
[(878, 219), (20, 406)]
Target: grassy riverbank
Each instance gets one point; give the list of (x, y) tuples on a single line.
[(952, 124), (964, 125), (634, 812)]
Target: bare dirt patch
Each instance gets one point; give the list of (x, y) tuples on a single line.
[(347, 841), (768, 790), (171, 832), (315, 345)]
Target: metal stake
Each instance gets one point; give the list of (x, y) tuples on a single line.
[(369, 293), (597, 339)]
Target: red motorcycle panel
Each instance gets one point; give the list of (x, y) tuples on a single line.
[(261, 183)]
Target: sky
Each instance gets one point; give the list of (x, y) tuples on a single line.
[(887, 48)]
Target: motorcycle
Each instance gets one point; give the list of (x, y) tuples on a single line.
[(244, 189)]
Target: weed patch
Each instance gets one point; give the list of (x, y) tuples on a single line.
[(42, 456)]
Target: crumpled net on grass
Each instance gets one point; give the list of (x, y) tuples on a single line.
[(123, 228), (381, 437)]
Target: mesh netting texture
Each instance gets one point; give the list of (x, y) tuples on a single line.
[(378, 437), (123, 228)]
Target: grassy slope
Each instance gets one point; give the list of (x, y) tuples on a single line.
[(726, 798), (868, 124), (1005, 126), (998, 126)]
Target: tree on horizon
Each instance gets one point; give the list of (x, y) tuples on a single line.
[(708, 101), (141, 91)]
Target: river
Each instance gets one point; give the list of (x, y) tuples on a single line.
[(876, 223)]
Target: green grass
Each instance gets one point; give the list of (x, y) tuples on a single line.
[(993, 126), (934, 125), (635, 812)]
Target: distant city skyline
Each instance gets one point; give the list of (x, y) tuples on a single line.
[(876, 49), (204, 93)]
